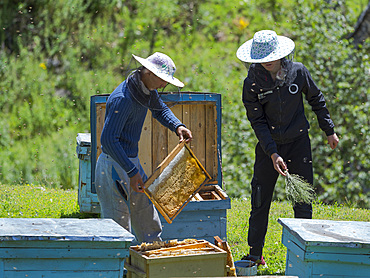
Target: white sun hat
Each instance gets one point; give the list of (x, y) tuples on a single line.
[(162, 66), (266, 46)]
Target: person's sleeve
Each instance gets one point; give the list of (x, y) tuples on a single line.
[(256, 116), (317, 101), (165, 116), (113, 125)]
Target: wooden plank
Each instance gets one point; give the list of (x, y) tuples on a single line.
[(132, 270), (61, 274), (211, 140), (146, 146), (339, 269), (334, 256), (194, 226), (187, 246), (160, 143), (220, 192), (76, 264), (173, 139), (230, 260), (198, 197), (201, 266), (2, 274), (186, 116), (210, 215), (198, 124), (209, 205), (17, 245), (215, 195), (100, 117), (73, 253), (204, 228)]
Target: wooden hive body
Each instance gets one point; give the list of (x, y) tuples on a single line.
[(46, 247), (325, 248), (201, 113), (197, 265)]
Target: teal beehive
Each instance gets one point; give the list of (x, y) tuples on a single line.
[(325, 248), (46, 247)]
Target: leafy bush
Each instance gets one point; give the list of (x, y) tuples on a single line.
[(342, 72), (55, 54)]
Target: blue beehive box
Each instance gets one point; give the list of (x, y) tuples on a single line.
[(324, 248), (46, 247), (205, 216), (87, 198)]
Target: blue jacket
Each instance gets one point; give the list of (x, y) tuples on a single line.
[(276, 110), (124, 119)]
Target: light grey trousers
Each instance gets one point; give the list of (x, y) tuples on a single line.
[(136, 210)]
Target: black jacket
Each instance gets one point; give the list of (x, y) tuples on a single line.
[(276, 110)]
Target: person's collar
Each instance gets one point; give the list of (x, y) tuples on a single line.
[(144, 88)]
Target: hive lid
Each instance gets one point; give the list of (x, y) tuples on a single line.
[(175, 181), (320, 232), (63, 229)]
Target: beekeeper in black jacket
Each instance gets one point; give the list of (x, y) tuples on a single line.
[(273, 95)]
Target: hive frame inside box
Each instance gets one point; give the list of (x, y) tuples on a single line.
[(197, 265), (161, 167), (203, 219)]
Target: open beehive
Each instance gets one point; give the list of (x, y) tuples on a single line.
[(205, 215), (187, 258), (176, 181)]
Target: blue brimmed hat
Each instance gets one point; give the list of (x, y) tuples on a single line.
[(266, 46), (162, 66)]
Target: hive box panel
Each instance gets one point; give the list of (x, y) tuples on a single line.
[(197, 265), (87, 198), (46, 247), (200, 112), (325, 248)]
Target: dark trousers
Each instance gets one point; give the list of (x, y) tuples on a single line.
[(298, 157)]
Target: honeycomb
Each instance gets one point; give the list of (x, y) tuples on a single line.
[(178, 181), (175, 248)]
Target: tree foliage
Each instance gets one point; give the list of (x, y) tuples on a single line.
[(342, 71), (55, 54)]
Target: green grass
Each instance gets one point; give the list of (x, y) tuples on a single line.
[(275, 251), (30, 201)]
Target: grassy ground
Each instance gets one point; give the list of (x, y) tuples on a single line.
[(275, 251), (28, 201)]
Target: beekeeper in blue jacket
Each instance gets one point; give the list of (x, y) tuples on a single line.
[(119, 178), (273, 95)]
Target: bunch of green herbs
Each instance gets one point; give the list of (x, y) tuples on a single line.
[(298, 190)]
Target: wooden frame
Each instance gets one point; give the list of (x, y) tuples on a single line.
[(161, 167)]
